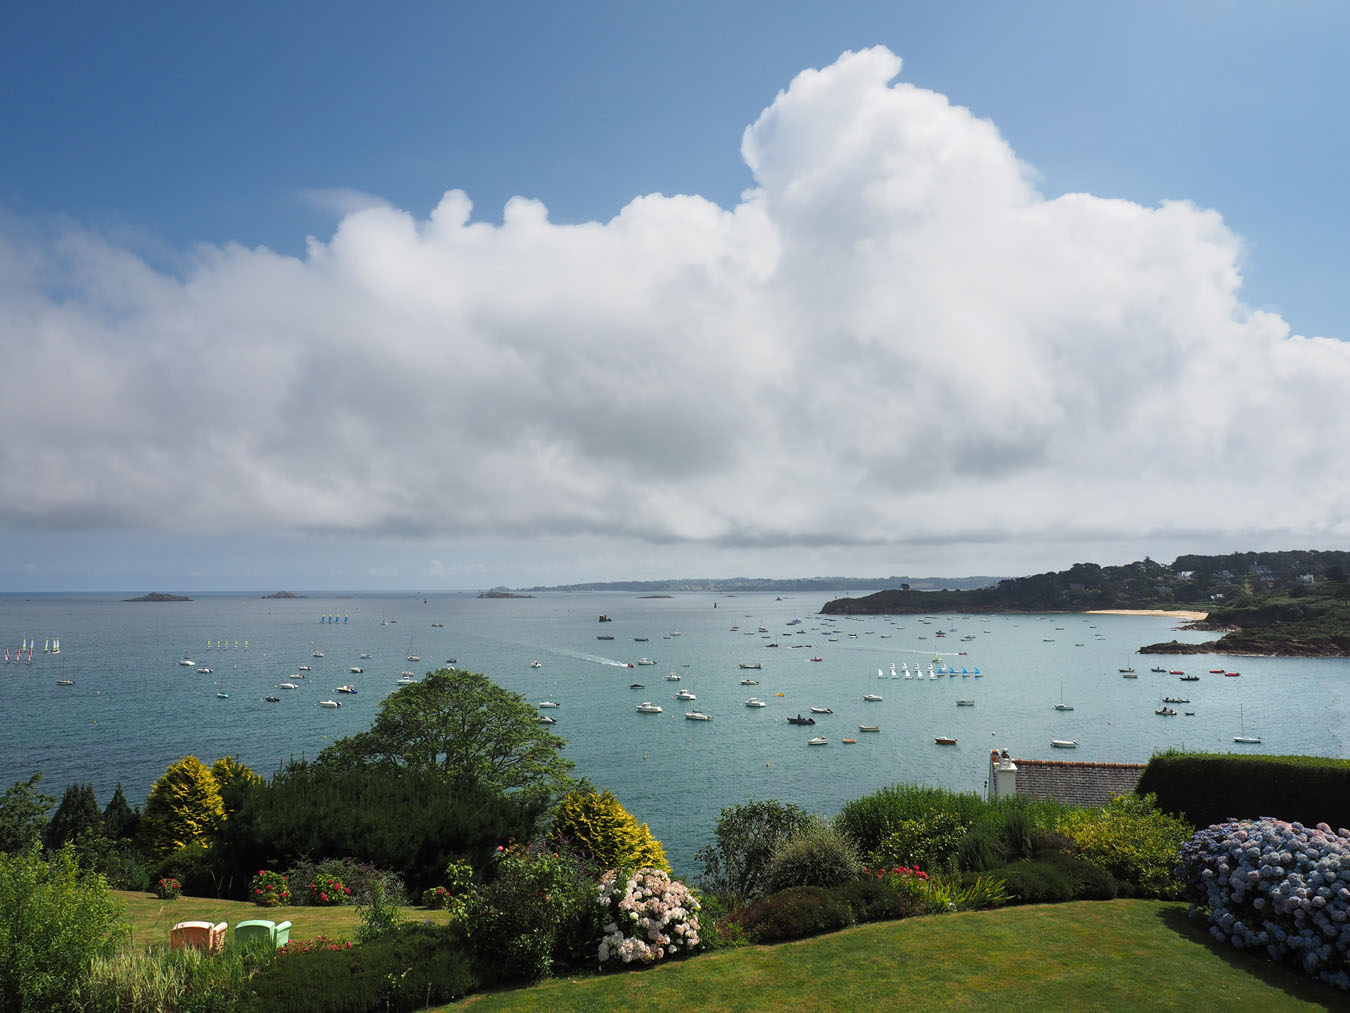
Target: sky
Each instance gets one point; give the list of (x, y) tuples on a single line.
[(438, 296)]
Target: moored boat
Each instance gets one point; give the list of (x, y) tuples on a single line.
[(945, 740), (697, 716), (800, 720), (819, 740), (647, 707), (1064, 743)]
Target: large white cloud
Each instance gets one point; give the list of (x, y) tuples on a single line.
[(894, 337)]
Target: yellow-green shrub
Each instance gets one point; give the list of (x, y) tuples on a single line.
[(596, 824), (1132, 840)]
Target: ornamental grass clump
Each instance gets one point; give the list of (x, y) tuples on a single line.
[(1280, 886), (649, 917)]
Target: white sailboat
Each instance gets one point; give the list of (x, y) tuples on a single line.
[(1062, 706), (1244, 737)]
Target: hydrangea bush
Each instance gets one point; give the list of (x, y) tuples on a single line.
[(649, 916), (1279, 886)]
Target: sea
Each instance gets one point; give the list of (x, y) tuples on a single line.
[(133, 706)]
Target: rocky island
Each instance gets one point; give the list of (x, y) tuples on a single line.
[(282, 594), (158, 596)]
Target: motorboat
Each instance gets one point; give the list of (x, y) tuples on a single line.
[(1157, 669), (204, 670), (869, 728), (637, 685), (1175, 699), (1167, 712), (756, 665), (1190, 678), (406, 680), (697, 716), (329, 703), (548, 703), (945, 740), (821, 710), (187, 663), (645, 661), (1064, 743), (356, 670), (536, 663), (965, 703), (819, 740), (755, 701), (749, 682), (346, 689), (545, 719), (872, 697), (684, 694), (848, 742), (673, 677), (65, 682), (799, 720), (647, 707), (305, 668), (287, 685), (272, 699)]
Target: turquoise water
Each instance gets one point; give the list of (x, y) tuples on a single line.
[(133, 709)]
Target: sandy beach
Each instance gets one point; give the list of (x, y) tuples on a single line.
[(1177, 613)]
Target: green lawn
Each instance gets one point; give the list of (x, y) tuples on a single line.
[(152, 918), (1115, 955)]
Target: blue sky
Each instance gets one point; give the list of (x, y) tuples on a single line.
[(220, 253)]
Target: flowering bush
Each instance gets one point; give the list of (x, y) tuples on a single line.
[(268, 889), (437, 898), (168, 888), (325, 889), (1277, 885), (459, 878), (649, 917), (538, 913), (909, 881)]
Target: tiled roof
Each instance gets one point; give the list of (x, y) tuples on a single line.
[(1084, 784)]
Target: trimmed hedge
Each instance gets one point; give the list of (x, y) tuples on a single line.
[(1211, 788), (795, 913), (1055, 879)]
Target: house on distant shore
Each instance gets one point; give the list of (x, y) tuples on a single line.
[(1072, 782)]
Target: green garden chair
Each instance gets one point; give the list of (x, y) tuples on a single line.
[(246, 932)]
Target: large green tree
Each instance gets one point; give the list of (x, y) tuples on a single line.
[(77, 816), (465, 728), (183, 808), (23, 815)]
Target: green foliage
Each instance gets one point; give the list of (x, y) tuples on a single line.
[(23, 815), (540, 912), (1132, 840), (929, 842), (326, 890), (197, 866), (54, 919), (138, 979), (411, 968), (467, 730), (1209, 788), (795, 913), (746, 838), (233, 779), (361, 878), (119, 819), (409, 822), (184, 807), (168, 888), (816, 854), (980, 849), (955, 893), (77, 816), (870, 899), (379, 918), (1055, 878), (269, 888), (597, 826)]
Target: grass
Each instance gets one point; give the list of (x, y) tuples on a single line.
[(152, 918), (1122, 954)]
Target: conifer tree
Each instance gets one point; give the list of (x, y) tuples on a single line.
[(119, 819), (184, 807), (77, 816), (596, 824)]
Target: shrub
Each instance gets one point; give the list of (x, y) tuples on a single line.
[(717, 928), (955, 894), (122, 865), (596, 825), (54, 920), (168, 889), (197, 866), (183, 807), (648, 917), (870, 899), (378, 919), (326, 890), (930, 842), (814, 855), (980, 849), (1278, 886), (909, 883), (795, 913), (417, 966), (362, 879), (437, 898), (1132, 840), (269, 889), (540, 912), (746, 837), (1057, 877)]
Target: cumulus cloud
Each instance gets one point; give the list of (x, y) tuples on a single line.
[(893, 338)]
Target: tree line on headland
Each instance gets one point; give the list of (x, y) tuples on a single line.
[(1277, 603)]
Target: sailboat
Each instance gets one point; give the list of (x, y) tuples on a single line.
[(221, 692), (56, 645), (1062, 706), (1244, 737)]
